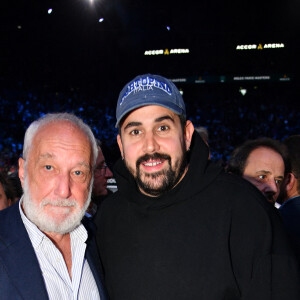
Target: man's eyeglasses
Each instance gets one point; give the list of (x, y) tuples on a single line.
[(101, 170)]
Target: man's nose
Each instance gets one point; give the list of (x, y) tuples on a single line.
[(271, 190), (63, 186), (108, 173), (271, 186), (150, 143)]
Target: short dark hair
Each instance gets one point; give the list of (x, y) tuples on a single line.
[(292, 144), (237, 162), (7, 187), (182, 121)]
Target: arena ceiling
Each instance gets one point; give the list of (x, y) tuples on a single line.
[(105, 40)]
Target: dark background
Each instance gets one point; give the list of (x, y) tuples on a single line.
[(69, 61), (70, 47)]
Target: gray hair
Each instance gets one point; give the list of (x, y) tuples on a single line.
[(54, 117)]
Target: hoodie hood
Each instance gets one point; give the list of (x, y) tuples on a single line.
[(201, 172)]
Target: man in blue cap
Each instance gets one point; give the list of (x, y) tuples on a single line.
[(179, 227)]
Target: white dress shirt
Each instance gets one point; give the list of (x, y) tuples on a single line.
[(58, 283)]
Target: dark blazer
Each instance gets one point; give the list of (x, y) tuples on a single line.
[(20, 274), (290, 213)]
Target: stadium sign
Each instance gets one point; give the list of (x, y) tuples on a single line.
[(248, 78), (167, 51), (205, 79), (260, 46)]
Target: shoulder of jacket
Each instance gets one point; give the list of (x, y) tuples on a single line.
[(242, 191)]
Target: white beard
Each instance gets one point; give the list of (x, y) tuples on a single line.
[(37, 215)]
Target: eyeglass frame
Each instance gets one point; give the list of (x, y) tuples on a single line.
[(101, 171)]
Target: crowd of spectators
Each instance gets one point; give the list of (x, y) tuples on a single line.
[(231, 123), (229, 117)]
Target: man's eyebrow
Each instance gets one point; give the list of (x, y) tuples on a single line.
[(100, 165), (157, 120), (263, 172), (52, 156), (164, 118), (46, 156), (84, 164), (132, 124)]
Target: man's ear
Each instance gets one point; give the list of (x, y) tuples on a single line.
[(291, 182), (119, 140), (188, 133), (21, 170)]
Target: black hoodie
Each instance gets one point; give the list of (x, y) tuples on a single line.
[(213, 236)]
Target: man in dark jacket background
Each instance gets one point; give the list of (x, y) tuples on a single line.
[(290, 209), (179, 227)]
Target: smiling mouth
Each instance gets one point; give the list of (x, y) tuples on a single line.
[(155, 161), (152, 164)]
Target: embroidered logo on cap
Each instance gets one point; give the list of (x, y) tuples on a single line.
[(145, 84)]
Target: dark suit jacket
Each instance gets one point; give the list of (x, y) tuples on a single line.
[(290, 213), (20, 274)]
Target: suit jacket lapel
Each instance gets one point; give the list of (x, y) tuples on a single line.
[(21, 264), (95, 263), (20, 261)]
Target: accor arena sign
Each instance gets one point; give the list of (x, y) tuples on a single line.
[(167, 52), (260, 46)]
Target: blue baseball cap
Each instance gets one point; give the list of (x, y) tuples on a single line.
[(149, 89)]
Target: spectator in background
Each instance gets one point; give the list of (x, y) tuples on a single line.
[(7, 192), (290, 209), (263, 162), (101, 174), (15, 181)]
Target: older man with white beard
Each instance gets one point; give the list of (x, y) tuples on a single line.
[(45, 251)]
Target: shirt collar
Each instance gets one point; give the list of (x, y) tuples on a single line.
[(36, 236), (284, 203)]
